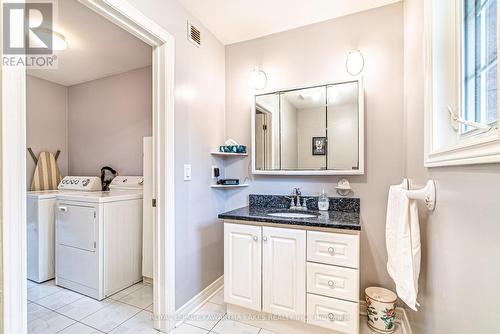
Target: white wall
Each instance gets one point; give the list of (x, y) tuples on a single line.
[(317, 53), (107, 120), (460, 249), (199, 129), (46, 122)]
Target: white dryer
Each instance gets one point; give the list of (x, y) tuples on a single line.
[(99, 238), (40, 222)]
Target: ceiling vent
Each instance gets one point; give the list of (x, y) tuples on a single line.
[(194, 35)]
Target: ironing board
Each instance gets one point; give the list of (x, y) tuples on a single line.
[(47, 175)]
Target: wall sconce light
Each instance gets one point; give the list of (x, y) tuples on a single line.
[(257, 79), (355, 62)]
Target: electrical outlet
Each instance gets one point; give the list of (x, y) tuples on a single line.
[(187, 172)]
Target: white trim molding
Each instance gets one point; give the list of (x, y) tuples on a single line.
[(195, 303), (443, 145), (14, 291), (13, 135), (132, 20)]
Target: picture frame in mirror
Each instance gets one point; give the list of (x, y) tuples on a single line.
[(319, 145)]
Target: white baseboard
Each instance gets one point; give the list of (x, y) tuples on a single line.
[(401, 317), (195, 303)]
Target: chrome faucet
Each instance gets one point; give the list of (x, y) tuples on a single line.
[(295, 200)]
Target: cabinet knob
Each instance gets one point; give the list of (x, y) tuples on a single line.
[(331, 283), (264, 239), (331, 316), (331, 250), (255, 238)]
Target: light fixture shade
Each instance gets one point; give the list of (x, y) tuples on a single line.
[(355, 62), (257, 79), (58, 40)]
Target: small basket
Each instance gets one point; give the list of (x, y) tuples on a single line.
[(381, 309), (233, 149)]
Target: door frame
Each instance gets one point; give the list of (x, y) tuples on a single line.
[(13, 170)]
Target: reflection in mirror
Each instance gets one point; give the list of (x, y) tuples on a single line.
[(309, 129), (267, 137), (303, 129), (342, 115)]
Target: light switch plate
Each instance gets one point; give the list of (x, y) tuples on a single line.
[(187, 172)]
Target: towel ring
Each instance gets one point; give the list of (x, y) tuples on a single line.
[(426, 194)]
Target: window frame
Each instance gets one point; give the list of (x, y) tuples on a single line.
[(462, 128), (472, 147)]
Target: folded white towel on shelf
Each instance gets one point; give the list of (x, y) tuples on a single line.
[(403, 243)]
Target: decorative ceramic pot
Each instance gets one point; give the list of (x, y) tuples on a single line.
[(381, 309)]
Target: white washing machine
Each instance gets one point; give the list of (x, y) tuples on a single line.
[(99, 238), (40, 222)]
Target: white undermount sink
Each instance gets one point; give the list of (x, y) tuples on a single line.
[(291, 215)]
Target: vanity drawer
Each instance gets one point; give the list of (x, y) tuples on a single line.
[(334, 314), (332, 281), (333, 248)]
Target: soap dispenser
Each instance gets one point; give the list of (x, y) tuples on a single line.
[(323, 201)]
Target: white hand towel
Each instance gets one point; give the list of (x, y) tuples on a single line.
[(403, 244)]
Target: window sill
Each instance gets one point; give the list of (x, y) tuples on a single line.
[(477, 150)]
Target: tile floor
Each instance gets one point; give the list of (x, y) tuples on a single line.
[(52, 309), (218, 324)]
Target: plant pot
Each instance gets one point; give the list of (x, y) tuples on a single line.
[(381, 309)]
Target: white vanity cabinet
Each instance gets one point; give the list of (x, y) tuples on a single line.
[(284, 272), (309, 277), (267, 262), (242, 265)]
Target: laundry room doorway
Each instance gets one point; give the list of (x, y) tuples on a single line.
[(14, 162)]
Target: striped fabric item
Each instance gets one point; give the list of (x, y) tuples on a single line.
[(47, 175)]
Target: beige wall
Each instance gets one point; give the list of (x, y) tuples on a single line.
[(199, 129), (314, 54), (460, 271), (46, 122), (107, 120)]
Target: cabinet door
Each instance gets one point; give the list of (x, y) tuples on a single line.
[(242, 265), (284, 272)]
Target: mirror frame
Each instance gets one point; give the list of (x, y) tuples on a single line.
[(361, 133)]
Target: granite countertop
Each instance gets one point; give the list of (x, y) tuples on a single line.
[(343, 213)]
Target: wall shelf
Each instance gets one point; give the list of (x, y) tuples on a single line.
[(226, 154), (222, 186), (221, 159)]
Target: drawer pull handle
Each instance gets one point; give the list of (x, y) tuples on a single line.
[(331, 250), (331, 283), (331, 316), (255, 238)]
